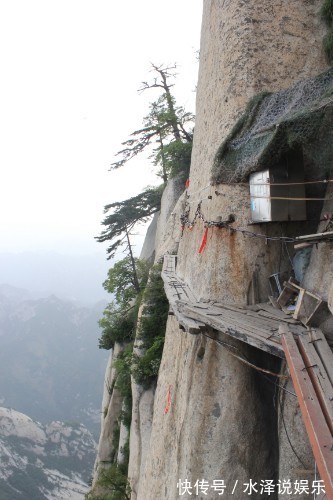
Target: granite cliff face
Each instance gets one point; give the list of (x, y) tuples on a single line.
[(226, 421)]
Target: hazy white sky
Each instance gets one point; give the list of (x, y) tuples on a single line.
[(70, 70)]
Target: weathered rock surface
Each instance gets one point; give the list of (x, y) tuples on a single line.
[(111, 409), (214, 423), (148, 248), (246, 48), (226, 420), (43, 461), (223, 423), (142, 416), (166, 238)]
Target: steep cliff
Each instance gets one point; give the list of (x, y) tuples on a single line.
[(211, 417)]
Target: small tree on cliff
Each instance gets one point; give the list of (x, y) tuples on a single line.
[(119, 318), (164, 126), (123, 218), (167, 126)]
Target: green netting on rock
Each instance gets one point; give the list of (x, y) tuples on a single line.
[(300, 117)]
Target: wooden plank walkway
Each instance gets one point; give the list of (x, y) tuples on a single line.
[(310, 361), (308, 355), (176, 290), (256, 325)]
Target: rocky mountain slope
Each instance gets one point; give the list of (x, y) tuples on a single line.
[(50, 365), (42, 462)]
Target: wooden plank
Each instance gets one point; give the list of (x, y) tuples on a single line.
[(323, 349), (298, 288), (299, 303), (319, 378), (265, 326), (295, 329), (231, 307), (267, 323), (273, 301), (189, 324), (272, 348), (320, 437), (242, 332), (315, 318), (274, 311), (247, 315), (253, 307), (176, 289), (286, 294), (250, 326), (299, 246), (318, 236), (170, 291), (255, 322), (260, 328), (282, 317)]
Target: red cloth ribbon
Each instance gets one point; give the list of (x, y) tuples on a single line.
[(187, 183), (204, 241), (168, 400)]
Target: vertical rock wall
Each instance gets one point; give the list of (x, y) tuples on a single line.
[(111, 409), (162, 232), (219, 424), (246, 47), (223, 418)]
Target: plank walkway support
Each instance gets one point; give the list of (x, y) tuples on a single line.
[(316, 238), (310, 315), (256, 325), (311, 372), (175, 290), (309, 357)]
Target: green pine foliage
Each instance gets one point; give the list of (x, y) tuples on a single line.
[(151, 330), (121, 282), (155, 310), (177, 158), (122, 216), (117, 326), (123, 365), (119, 318), (166, 132), (115, 484)]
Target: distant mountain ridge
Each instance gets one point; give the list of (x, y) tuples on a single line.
[(50, 364)]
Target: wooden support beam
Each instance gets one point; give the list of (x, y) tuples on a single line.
[(318, 431), (299, 304), (256, 325), (323, 349), (315, 305), (319, 378), (190, 325), (317, 236)]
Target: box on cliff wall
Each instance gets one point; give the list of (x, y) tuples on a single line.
[(277, 194)]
